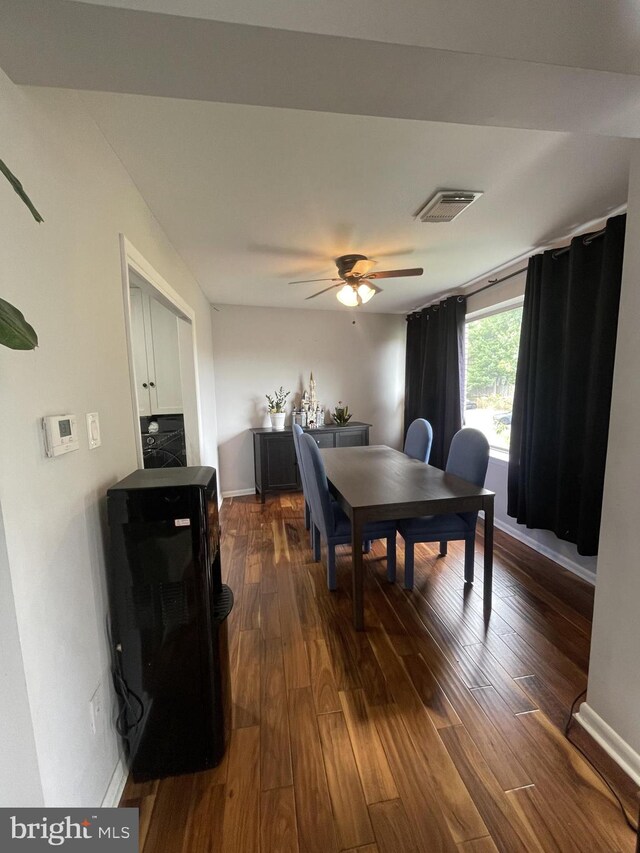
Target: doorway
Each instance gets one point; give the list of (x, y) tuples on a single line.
[(163, 370)]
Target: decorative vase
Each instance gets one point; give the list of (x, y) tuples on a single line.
[(277, 420)]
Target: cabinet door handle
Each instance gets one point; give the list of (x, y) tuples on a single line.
[(152, 385), (144, 385)]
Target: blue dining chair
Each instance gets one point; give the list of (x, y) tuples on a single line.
[(419, 439), (331, 522), (308, 519), (297, 432), (468, 459)]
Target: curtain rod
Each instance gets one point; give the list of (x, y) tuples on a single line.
[(587, 238), (494, 281), (581, 229), (586, 241)]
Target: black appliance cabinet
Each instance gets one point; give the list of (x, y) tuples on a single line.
[(169, 612)]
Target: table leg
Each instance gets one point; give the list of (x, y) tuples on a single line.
[(358, 572), (488, 555)]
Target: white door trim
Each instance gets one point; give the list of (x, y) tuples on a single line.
[(130, 258)]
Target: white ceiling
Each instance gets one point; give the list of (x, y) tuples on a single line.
[(254, 197), (64, 44), (582, 33), (268, 138)]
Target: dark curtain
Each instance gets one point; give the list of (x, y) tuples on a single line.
[(560, 419), (434, 372)]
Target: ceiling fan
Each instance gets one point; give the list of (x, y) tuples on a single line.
[(355, 279)]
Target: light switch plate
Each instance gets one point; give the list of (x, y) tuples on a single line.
[(93, 430)]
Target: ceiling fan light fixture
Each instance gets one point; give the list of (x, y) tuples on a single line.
[(355, 280), (365, 292), (348, 296)]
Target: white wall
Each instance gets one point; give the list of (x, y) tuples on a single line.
[(65, 275), (20, 775), (355, 357), (613, 700)]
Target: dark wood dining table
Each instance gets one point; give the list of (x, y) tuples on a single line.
[(377, 483)]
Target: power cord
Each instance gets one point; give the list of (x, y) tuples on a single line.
[(633, 826), (123, 724)]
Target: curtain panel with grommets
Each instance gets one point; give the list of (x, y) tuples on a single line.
[(434, 375), (562, 400)]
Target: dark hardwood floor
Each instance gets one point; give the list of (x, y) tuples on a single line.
[(424, 733)]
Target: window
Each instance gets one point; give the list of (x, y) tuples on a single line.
[(491, 356)]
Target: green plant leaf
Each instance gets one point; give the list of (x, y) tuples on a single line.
[(15, 183), (15, 332)]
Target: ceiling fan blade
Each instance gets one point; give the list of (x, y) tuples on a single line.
[(396, 273), (361, 268), (309, 280), (287, 252), (403, 250), (320, 292)]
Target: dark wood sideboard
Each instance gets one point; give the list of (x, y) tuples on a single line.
[(274, 456)]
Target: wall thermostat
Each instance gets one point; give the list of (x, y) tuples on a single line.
[(60, 434)]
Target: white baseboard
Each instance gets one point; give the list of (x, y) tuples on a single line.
[(624, 756), (238, 493), (561, 559), (116, 785)]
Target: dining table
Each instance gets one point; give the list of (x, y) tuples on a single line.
[(378, 483)]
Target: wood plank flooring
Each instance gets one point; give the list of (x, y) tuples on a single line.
[(428, 732)]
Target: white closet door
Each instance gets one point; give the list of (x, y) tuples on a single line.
[(166, 390), (140, 348)]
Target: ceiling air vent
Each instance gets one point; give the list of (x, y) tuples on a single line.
[(445, 205)]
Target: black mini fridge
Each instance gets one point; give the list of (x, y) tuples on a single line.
[(169, 612)]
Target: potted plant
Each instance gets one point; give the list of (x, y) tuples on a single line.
[(341, 414), (276, 407), (15, 332)]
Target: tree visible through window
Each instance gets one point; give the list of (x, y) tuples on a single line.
[(491, 348)]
